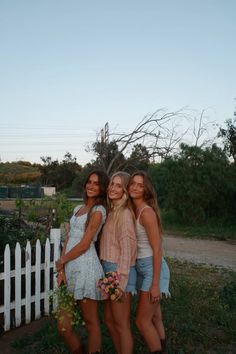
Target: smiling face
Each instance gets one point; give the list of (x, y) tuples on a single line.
[(92, 186), (115, 189), (136, 187)]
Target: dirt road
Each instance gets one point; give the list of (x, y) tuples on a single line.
[(216, 253)]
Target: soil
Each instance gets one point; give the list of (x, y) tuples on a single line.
[(208, 252)]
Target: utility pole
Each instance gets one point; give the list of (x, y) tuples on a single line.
[(105, 134), (104, 142)]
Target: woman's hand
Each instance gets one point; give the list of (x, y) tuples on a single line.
[(61, 277), (120, 295), (59, 265), (154, 294)]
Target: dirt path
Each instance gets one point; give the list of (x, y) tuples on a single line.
[(215, 253)]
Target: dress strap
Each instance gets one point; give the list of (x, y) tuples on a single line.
[(77, 208), (140, 212)]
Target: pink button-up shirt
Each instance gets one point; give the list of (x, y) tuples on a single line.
[(118, 244)]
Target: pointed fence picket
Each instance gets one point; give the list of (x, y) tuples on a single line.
[(27, 297)]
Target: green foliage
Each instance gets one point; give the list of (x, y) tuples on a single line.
[(65, 303), (59, 174), (56, 209), (34, 220), (229, 137), (210, 229), (197, 184), (139, 159), (198, 318), (13, 230), (105, 152)]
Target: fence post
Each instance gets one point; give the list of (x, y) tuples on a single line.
[(55, 238), (47, 276), (37, 280), (7, 288), (28, 283), (18, 284)]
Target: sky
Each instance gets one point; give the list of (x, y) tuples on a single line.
[(69, 66)]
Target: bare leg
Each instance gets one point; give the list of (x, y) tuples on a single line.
[(65, 329), (109, 322), (90, 315), (121, 318), (144, 322), (158, 323)]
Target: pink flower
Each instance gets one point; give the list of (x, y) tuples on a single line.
[(109, 285)]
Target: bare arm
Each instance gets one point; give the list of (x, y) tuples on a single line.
[(83, 245), (67, 229), (149, 221)]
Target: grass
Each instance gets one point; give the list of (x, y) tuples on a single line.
[(211, 228), (199, 318), (205, 231)]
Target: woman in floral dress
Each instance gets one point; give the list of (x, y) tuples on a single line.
[(79, 264)]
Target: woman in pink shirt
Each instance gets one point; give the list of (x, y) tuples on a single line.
[(118, 253)]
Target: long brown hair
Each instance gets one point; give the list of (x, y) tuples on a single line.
[(101, 199), (149, 196)]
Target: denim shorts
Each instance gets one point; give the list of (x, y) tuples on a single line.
[(144, 267), (131, 285)]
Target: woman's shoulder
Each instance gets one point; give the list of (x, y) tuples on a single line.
[(127, 211), (147, 212), (99, 207), (126, 215), (77, 208)]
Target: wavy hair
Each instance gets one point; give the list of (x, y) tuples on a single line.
[(101, 199), (125, 201), (149, 196)]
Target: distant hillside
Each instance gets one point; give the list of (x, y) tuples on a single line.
[(18, 172)]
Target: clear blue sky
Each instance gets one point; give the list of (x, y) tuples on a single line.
[(68, 67)]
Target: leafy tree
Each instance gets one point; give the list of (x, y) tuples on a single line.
[(229, 137), (107, 152), (59, 174), (197, 184), (139, 158)]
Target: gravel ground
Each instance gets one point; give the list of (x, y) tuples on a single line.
[(209, 252)]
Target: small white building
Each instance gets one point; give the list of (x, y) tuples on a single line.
[(49, 191)]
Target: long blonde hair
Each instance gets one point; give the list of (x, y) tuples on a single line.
[(116, 211)]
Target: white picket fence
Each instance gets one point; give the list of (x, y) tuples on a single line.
[(19, 309)]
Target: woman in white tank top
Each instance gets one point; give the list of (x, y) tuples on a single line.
[(152, 270)]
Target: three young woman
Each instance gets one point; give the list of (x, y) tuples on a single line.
[(79, 265), (131, 245)]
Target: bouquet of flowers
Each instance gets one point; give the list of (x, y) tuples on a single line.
[(109, 285)]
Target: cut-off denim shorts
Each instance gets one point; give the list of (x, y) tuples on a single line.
[(144, 267), (131, 285)]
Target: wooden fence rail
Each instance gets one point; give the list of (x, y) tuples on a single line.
[(26, 288)]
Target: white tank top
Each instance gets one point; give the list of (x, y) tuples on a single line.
[(144, 248)]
